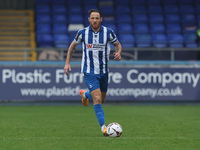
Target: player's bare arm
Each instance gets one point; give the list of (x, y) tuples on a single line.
[(71, 50), (118, 50)]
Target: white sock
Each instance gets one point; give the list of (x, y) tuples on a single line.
[(102, 127), (84, 95)]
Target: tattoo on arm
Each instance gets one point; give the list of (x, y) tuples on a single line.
[(71, 52), (116, 49)]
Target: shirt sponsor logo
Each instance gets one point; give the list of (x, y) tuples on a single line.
[(96, 46), (89, 45)]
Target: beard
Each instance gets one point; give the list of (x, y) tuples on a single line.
[(95, 25)]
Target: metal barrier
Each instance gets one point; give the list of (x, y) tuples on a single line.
[(134, 54)]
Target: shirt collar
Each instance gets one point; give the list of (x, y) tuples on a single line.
[(101, 28)]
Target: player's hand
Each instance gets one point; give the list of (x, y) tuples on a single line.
[(117, 56), (66, 68)]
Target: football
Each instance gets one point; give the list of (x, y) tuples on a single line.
[(114, 130)]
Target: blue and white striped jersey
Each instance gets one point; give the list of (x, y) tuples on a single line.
[(96, 49)]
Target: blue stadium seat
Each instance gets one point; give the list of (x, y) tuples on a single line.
[(111, 26), (75, 9), (60, 28), (122, 9), (61, 45), (188, 19), (43, 18), (157, 28), (171, 9), (61, 40), (197, 9), (127, 45), (59, 18), (154, 2), (159, 40), (86, 8), (86, 22), (140, 18), (169, 2), (138, 2), (143, 40), (189, 38), (74, 19), (188, 45), (141, 28), (187, 9), (124, 28), (175, 40), (172, 18), (173, 28), (126, 38), (93, 2), (155, 9), (103, 1), (43, 45), (198, 18), (43, 28), (185, 2), (176, 45), (140, 9), (159, 45), (196, 2), (44, 40), (42, 9), (38, 2), (73, 2), (109, 19), (72, 35), (107, 10), (59, 9), (156, 18), (120, 2), (58, 2), (123, 18)]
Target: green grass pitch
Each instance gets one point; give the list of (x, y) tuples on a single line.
[(145, 127)]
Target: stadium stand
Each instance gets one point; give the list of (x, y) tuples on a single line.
[(143, 40), (157, 9), (173, 28), (141, 28), (159, 40), (17, 34), (139, 9), (157, 28), (171, 9), (140, 18), (123, 18), (59, 18), (148, 23)]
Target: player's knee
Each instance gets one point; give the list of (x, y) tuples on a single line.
[(97, 100)]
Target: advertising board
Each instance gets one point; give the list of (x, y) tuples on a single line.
[(125, 84)]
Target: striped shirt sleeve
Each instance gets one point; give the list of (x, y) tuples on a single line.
[(112, 36), (78, 37)]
